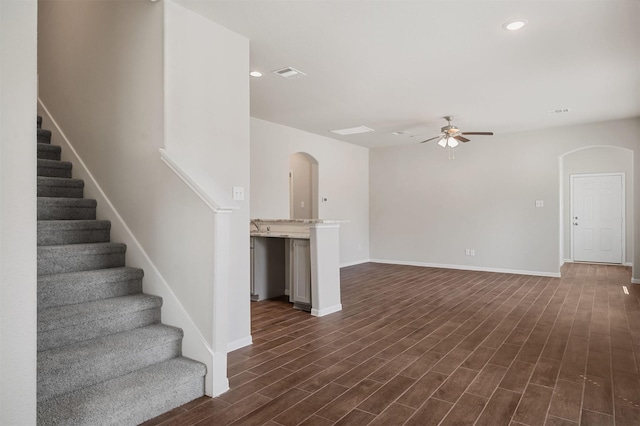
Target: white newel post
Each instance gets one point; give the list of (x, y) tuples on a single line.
[(325, 268), (222, 243)]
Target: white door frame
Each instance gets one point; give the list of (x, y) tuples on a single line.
[(623, 208), (291, 206)]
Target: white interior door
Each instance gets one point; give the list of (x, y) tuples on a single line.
[(597, 218)]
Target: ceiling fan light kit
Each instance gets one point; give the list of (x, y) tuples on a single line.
[(451, 136)]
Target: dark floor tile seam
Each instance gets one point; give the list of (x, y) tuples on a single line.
[(506, 315), (584, 387), (538, 359), (581, 283), (437, 287), (453, 331), (498, 281), (435, 320), (508, 288), (513, 291), (464, 336), (491, 397)]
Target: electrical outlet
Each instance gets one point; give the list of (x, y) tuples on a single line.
[(473, 252), (467, 252)]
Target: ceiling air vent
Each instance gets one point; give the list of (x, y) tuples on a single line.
[(289, 73), (558, 111)]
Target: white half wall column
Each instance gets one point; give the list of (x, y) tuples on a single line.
[(325, 268)]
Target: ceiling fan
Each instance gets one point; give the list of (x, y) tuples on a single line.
[(451, 135)]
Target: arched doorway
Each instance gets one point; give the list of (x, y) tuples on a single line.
[(597, 159), (303, 186)]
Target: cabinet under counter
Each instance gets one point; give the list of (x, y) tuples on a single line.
[(281, 266), (311, 263)]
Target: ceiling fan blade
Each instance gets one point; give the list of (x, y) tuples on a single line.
[(462, 138), (437, 137), (478, 133)]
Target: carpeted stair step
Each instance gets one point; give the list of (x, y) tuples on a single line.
[(86, 286), (60, 187), (130, 399), (80, 257), (60, 232), (54, 168), (66, 325), (49, 152), (56, 208), (44, 136), (39, 122), (74, 367)]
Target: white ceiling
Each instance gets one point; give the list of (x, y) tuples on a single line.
[(401, 65)]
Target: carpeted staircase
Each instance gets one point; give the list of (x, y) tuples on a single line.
[(103, 355)]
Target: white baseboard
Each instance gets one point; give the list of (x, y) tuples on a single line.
[(469, 268), (635, 280), (627, 264), (326, 311), (355, 262), (240, 343)]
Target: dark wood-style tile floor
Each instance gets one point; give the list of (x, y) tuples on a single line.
[(424, 346)]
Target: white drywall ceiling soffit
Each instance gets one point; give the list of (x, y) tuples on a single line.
[(376, 63), (352, 130)]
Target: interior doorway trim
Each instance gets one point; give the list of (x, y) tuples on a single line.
[(623, 209)]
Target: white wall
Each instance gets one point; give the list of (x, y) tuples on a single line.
[(207, 131), (18, 212), (101, 78), (426, 209), (598, 160), (303, 198), (343, 178)]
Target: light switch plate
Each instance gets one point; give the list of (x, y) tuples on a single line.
[(539, 203), (238, 193)]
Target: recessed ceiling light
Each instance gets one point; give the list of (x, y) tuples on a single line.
[(352, 130), (514, 25), (255, 74)]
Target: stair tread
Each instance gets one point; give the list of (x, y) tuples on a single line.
[(57, 181), (138, 338), (68, 368), (84, 202), (105, 402), (56, 164), (75, 249), (84, 286), (70, 315), (97, 275), (49, 147), (73, 224)]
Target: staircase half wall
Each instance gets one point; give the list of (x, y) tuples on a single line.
[(196, 344)]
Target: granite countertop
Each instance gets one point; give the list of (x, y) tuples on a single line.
[(280, 234), (300, 221)]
